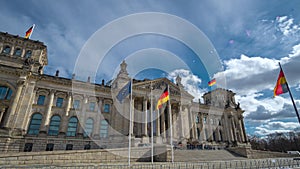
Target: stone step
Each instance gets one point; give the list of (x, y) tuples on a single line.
[(204, 155)]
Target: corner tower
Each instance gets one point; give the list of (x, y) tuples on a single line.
[(21, 53)]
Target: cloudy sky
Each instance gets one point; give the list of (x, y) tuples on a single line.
[(239, 42)]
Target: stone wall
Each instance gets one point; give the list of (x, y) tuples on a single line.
[(246, 151)]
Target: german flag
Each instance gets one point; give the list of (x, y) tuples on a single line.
[(164, 97), (28, 32), (212, 82), (281, 85)]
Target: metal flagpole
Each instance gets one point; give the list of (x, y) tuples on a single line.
[(171, 126), (130, 123), (151, 117), (291, 95), (31, 31)]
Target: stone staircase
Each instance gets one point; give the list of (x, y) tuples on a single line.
[(204, 155)]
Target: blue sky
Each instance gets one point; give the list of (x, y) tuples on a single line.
[(249, 38)]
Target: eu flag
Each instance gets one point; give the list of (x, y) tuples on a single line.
[(124, 92)]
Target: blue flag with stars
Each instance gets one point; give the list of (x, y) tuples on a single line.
[(125, 91)]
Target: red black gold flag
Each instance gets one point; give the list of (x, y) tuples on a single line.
[(164, 97), (212, 82), (28, 32), (281, 85)]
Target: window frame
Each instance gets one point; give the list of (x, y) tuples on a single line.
[(72, 133), (92, 106), (88, 127), (59, 102), (19, 50), (53, 126), (106, 108), (5, 48), (31, 130), (103, 133), (69, 146), (76, 104), (28, 54), (5, 93), (49, 147), (43, 100), (28, 147)]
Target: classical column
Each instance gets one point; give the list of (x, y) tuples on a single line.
[(81, 116), (49, 108), (145, 122), (157, 123), (98, 119), (163, 124), (69, 103), (2, 111), (232, 132), (132, 118), (225, 129), (9, 122), (174, 125), (242, 130), (234, 128), (181, 122), (191, 123)]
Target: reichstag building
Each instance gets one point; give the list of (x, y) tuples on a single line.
[(40, 112)]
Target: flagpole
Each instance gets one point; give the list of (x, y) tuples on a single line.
[(130, 123), (151, 117), (171, 126), (291, 95), (31, 31)]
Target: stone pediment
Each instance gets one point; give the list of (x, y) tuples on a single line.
[(159, 85)]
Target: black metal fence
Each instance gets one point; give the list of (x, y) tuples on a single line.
[(276, 163)]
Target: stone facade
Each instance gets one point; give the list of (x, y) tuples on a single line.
[(40, 112)]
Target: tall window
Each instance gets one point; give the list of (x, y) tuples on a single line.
[(89, 125), (104, 129), (41, 100), (5, 93), (28, 54), (6, 50), (18, 52), (92, 106), (54, 126), (35, 123), (72, 126), (76, 104), (59, 102), (106, 108)]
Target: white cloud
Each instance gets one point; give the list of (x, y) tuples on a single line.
[(190, 82), (286, 25), (253, 79), (276, 126)]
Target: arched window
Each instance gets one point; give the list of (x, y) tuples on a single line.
[(54, 126), (72, 126), (5, 93), (89, 125), (28, 54), (35, 123), (18, 52), (6, 49), (103, 129)]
